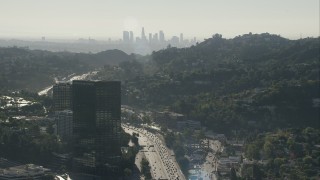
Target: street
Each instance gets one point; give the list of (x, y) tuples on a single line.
[(162, 163)]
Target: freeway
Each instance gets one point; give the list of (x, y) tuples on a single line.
[(163, 164)]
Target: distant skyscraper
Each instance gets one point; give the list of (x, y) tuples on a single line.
[(96, 124), (131, 37), (150, 37), (155, 38), (161, 36), (126, 38), (181, 37), (174, 41), (143, 35)]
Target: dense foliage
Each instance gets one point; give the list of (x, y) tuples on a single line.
[(22, 141), (251, 83), (256, 81), (21, 68), (146, 169), (177, 142), (290, 153), (127, 163)]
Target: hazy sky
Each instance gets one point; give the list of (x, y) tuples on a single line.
[(201, 18)]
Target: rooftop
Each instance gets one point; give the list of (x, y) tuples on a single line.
[(27, 170)]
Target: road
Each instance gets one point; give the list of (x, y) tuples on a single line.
[(163, 165), (68, 79), (209, 167)]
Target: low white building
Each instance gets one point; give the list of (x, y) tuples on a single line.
[(27, 171)]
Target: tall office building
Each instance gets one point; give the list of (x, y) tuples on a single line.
[(155, 38), (143, 35), (96, 124), (174, 41), (161, 37), (62, 97), (150, 38), (126, 38), (131, 37), (181, 38), (62, 106)]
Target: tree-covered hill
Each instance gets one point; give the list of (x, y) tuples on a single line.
[(249, 49), (256, 81), (259, 81), (21, 68)]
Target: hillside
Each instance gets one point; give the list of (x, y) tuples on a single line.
[(31, 70), (253, 81), (258, 81)]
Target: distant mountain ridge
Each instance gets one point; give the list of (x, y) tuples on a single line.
[(247, 47), (21, 68), (110, 57)]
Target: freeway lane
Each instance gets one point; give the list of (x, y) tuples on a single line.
[(163, 165), (157, 168)]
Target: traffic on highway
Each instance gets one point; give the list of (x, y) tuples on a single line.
[(163, 163)]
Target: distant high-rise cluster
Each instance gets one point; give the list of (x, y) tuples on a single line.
[(156, 39), (148, 42)]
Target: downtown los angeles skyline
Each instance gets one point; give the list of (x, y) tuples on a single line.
[(108, 19)]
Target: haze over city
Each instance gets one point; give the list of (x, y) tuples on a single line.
[(163, 90), (99, 19)]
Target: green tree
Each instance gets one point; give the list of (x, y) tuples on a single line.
[(233, 174), (268, 149), (50, 129), (146, 120), (200, 135), (307, 160), (2, 116), (145, 168), (252, 151), (127, 172), (256, 172)]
